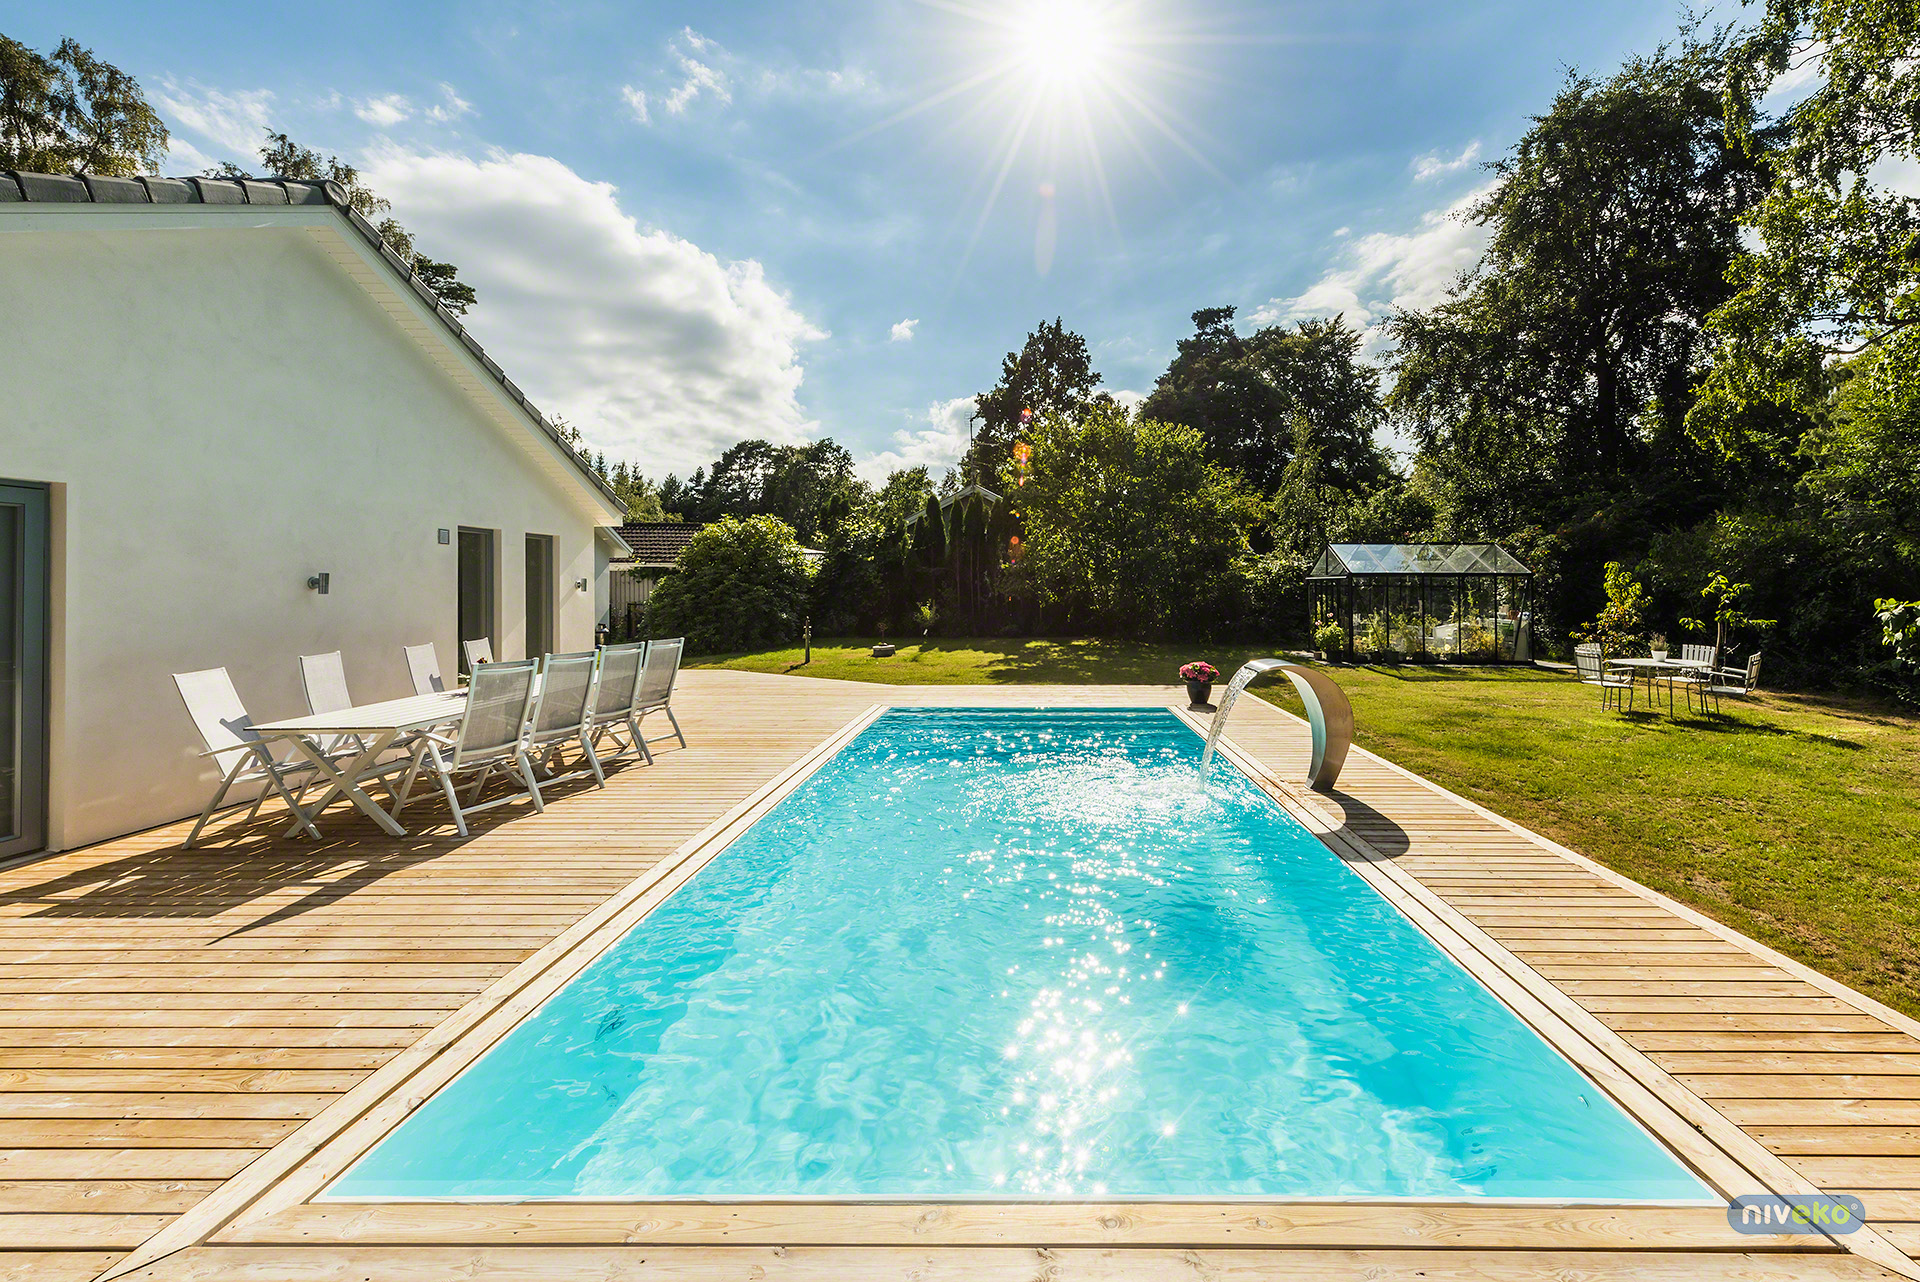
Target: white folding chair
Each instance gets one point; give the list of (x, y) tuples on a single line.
[(324, 677), (241, 754), (1590, 663), (656, 690), (565, 717), (1701, 654), (1736, 682), (423, 665), (491, 737), (478, 651), (613, 698)]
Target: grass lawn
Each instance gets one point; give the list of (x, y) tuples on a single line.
[(1795, 819)]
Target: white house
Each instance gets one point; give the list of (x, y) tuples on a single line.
[(213, 394)]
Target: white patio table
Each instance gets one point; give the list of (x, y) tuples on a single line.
[(1668, 670), (378, 726)]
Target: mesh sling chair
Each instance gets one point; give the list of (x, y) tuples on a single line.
[(423, 665), (1589, 663), (614, 695), (491, 737), (242, 755), (655, 692), (565, 716), (324, 676), (478, 651)]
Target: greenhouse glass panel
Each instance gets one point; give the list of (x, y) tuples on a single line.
[(1444, 601)]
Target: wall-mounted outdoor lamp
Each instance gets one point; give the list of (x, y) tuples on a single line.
[(580, 585), (446, 537), (320, 582)]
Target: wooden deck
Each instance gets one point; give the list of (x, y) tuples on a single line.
[(192, 1041)]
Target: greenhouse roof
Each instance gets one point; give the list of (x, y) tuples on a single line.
[(1343, 559)]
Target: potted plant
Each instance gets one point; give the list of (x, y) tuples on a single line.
[(883, 648), (1330, 640), (1657, 647), (1199, 676)]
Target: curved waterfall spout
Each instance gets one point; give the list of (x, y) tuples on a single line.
[(1328, 713)]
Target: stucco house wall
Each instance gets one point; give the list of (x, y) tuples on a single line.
[(221, 413)]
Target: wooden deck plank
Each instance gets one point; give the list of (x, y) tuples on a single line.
[(166, 1015)]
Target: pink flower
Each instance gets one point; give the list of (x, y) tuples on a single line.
[(1199, 670)]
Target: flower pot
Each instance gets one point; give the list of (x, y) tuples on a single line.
[(1659, 656), (1198, 692), (884, 650)]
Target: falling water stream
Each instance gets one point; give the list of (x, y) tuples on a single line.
[(1241, 680)]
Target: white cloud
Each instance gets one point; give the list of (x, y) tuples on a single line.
[(234, 122), (902, 331), (450, 107), (384, 111), (937, 447), (658, 351), (1384, 271), (1434, 165), (1129, 400), (697, 78)]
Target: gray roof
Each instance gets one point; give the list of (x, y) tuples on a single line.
[(658, 543), (17, 186), (1343, 559)]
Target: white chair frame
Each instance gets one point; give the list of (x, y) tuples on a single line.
[(423, 666), (615, 695), (447, 756), (1739, 682), (1591, 664), (655, 692), (478, 651), (557, 727), (241, 754)]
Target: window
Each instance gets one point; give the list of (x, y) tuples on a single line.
[(476, 588), (23, 668), (539, 594)]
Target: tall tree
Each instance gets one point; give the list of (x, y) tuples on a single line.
[(1052, 373), (284, 158), (1836, 267), (1248, 396), (1129, 526), (1564, 361), (72, 113)]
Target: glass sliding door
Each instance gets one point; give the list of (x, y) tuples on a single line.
[(476, 589), (539, 595), (23, 668)]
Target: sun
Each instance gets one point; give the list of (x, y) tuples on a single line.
[(1064, 45), (1063, 98)]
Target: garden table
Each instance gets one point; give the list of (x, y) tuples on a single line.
[(1668, 670), (377, 726)]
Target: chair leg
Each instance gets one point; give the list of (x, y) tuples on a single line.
[(593, 759), (452, 793), (213, 805), (406, 783), (676, 726), (533, 784), (636, 728)]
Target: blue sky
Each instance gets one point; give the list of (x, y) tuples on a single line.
[(693, 223)]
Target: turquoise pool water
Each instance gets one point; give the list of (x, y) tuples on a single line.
[(1019, 954)]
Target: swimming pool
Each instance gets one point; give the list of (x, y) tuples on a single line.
[(1019, 954)]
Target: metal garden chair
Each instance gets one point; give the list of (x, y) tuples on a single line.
[(240, 753), (1590, 662), (491, 737), (565, 716), (613, 698)]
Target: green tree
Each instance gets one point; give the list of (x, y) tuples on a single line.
[(1052, 373), (1129, 526), (741, 585), (1836, 269), (284, 158), (72, 113), (1562, 365), (1249, 395)]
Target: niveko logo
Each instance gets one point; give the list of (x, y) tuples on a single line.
[(1802, 1213)]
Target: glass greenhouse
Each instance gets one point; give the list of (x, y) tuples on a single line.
[(1450, 601)]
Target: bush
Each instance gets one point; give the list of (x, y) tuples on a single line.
[(741, 585), (1330, 639)]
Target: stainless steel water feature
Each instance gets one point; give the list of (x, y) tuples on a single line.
[(1328, 713)]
